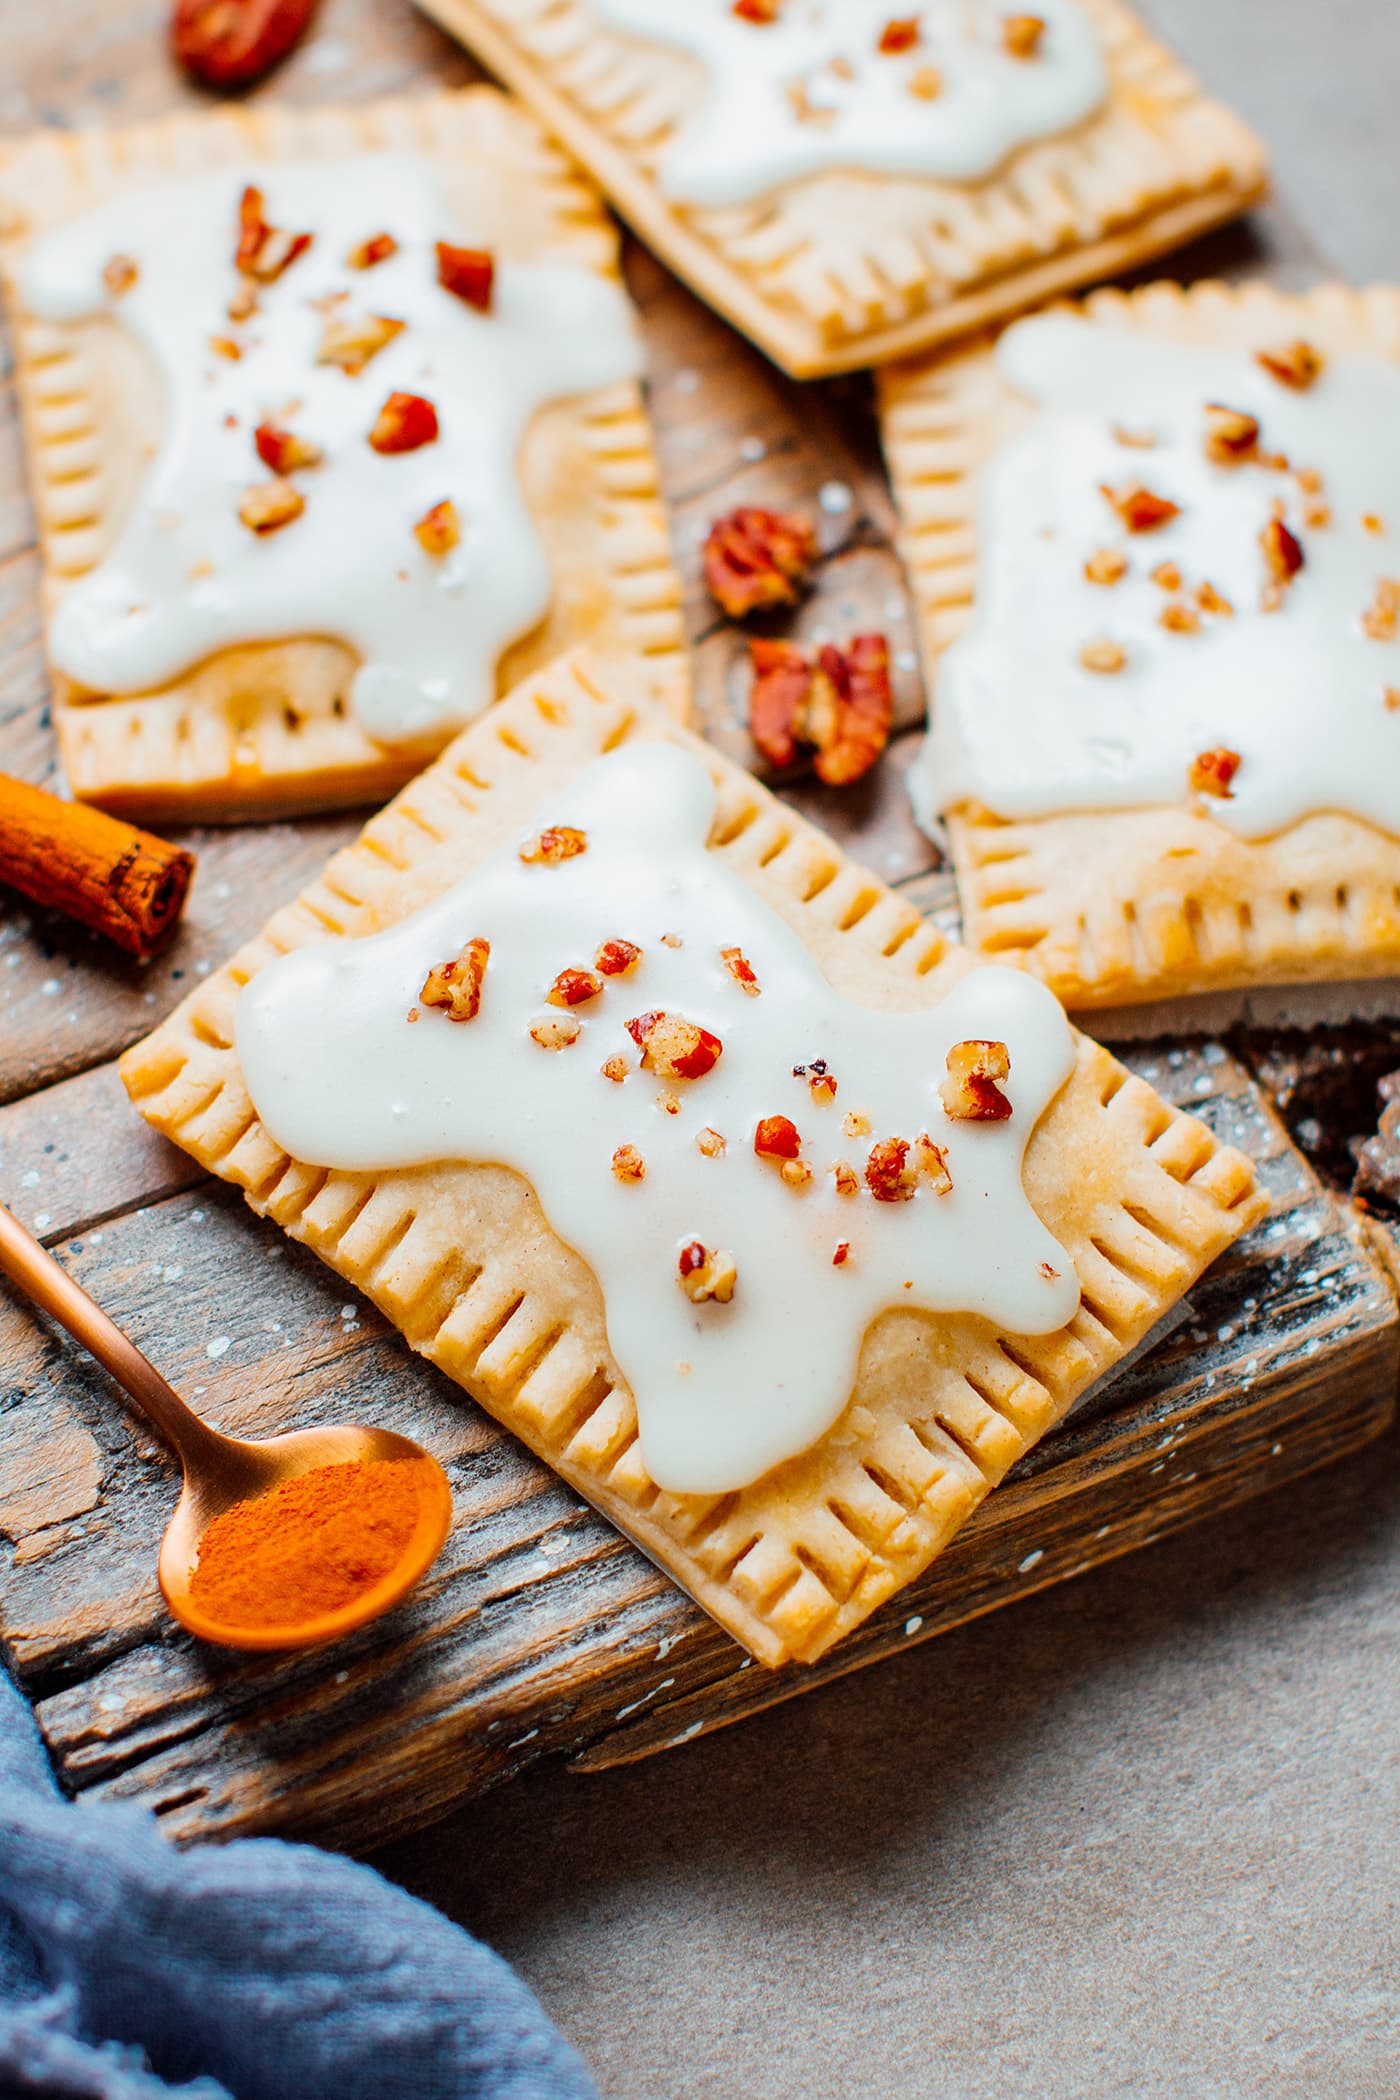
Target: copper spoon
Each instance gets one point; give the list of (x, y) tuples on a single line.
[(221, 1470)]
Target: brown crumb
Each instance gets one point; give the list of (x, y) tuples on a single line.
[(1104, 655)]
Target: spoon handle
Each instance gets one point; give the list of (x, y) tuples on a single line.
[(49, 1285)]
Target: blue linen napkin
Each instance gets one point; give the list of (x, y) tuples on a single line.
[(251, 1971)]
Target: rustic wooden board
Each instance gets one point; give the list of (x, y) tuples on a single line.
[(541, 1631)]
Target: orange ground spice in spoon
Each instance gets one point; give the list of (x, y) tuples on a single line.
[(312, 1545)]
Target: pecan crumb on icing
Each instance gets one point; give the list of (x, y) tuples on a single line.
[(758, 11), (888, 1175), (439, 530), (932, 1163), (925, 83), (350, 341), (1295, 365), (741, 970), (615, 958), (1213, 771), (574, 988), (846, 1178), (840, 1254), (710, 1143), (1283, 556), (821, 1081), (900, 33), (1102, 654), (368, 254), (1021, 35), (628, 1164), (556, 843), (454, 987), (705, 1276), (673, 1047), (1106, 565), (284, 450), (119, 274), (856, 1123), (756, 558), (405, 423), (1232, 436), (556, 1033), (264, 251), (796, 1173), (1382, 615), (1140, 509), (972, 1092), (1179, 618), (777, 1137), (469, 273), (614, 1068), (268, 505)]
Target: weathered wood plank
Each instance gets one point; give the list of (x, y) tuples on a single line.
[(540, 1630)]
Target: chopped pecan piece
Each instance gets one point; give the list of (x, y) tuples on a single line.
[(264, 251), (856, 1123), (616, 958), (405, 423), (796, 1173), (759, 11), (1371, 523), (352, 341), (268, 505), (1167, 576), (227, 44), (455, 986), (932, 1163), (1295, 365), (614, 1068), (1106, 565), (1021, 35), (1102, 654), (900, 33), (971, 1093), (777, 1138), (558, 842), (1283, 557), (1133, 440), (705, 1276), (1381, 616), (243, 302), (821, 1081), (1139, 508), (1179, 618), (119, 274), (669, 1104), (628, 1164), (926, 82), (469, 273), (888, 1175), (574, 988), (841, 705), (674, 1048), (1391, 696), (756, 558), (1232, 436), (283, 450), (556, 1034), (439, 530), (846, 1178), (377, 249), (1210, 601), (225, 346), (741, 970), (1212, 772), (710, 1143), (840, 1254)]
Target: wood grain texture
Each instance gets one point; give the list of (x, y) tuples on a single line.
[(541, 1631)]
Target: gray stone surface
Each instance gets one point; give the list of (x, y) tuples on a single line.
[(1134, 1837), (1139, 1835)]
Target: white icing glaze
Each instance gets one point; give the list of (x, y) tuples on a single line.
[(186, 577), (342, 1079), (1298, 692), (747, 136)]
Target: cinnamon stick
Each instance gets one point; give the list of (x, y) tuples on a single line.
[(71, 858)]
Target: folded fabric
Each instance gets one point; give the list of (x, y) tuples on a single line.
[(252, 1971)]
